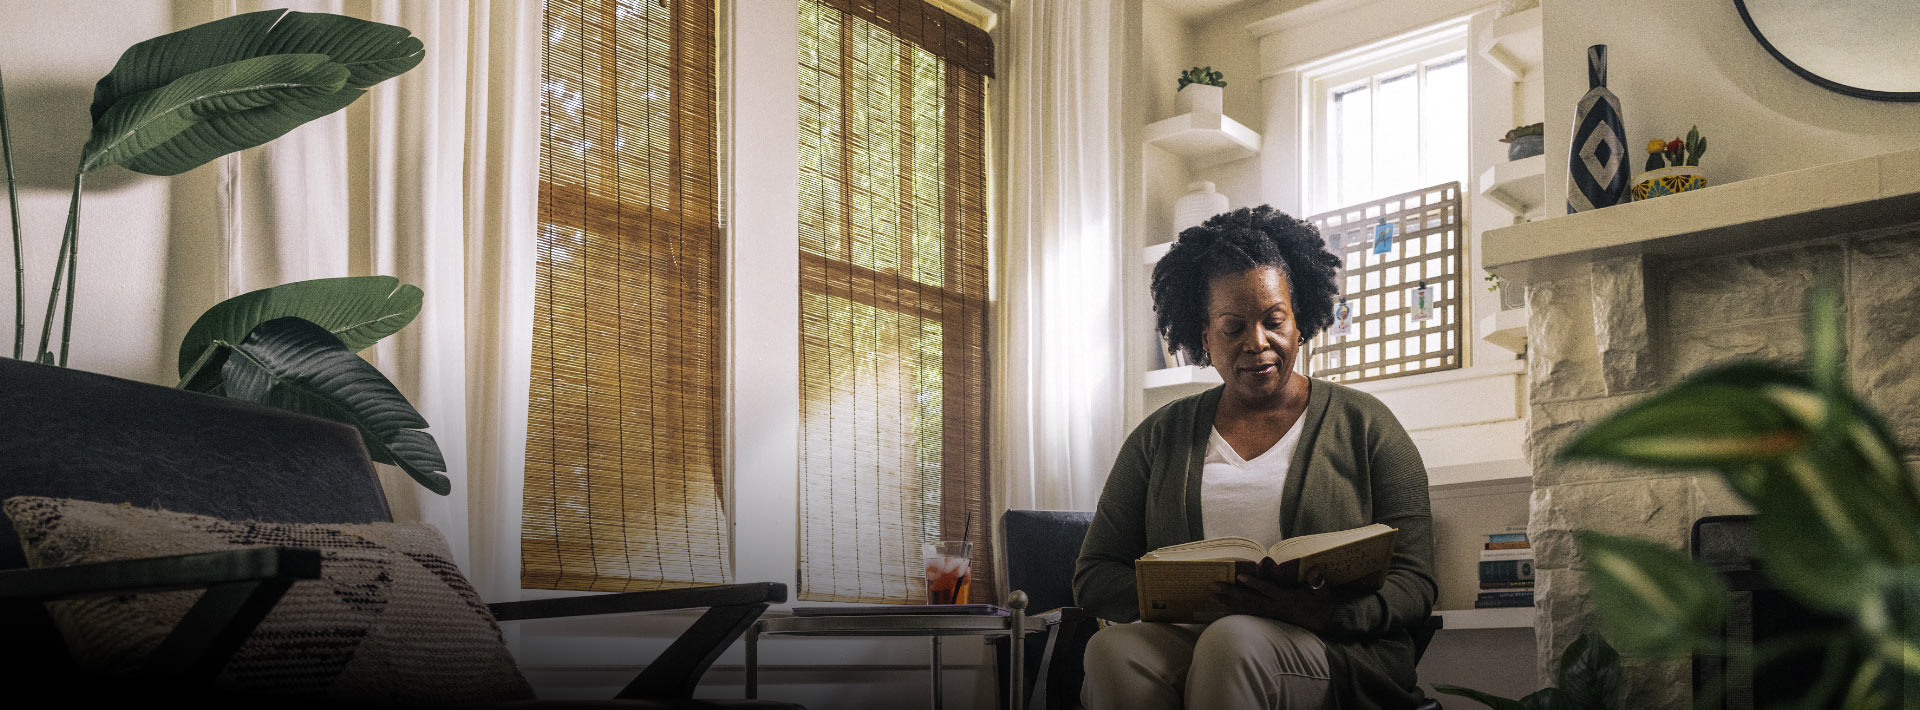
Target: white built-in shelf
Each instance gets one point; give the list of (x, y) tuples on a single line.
[(1151, 255), (1520, 186), (1194, 376), (1756, 213), (1203, 140), (1513, 618), (1514, 44), (1507, 329)]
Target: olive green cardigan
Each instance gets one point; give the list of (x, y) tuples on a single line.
[(1354, 465)]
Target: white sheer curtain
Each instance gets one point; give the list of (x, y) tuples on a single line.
[(431, 178), (1060, 306)]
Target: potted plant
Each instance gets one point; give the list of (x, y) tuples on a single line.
[(1526, 141), (1672, 166), (1200, 91), (181, 100)]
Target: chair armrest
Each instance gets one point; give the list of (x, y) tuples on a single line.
[(731, 609), (242, 586), (629, 602), (159, 574)]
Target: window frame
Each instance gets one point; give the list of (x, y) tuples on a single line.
[(1436, 44)]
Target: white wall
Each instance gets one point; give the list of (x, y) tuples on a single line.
[(148, 250), (1676, 64)]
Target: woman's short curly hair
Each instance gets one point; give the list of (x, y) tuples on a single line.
[(1233, 242)]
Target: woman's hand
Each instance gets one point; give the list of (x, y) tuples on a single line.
[(1259, 595)]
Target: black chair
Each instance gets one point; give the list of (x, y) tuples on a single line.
[(1041, 548), (71, 434)]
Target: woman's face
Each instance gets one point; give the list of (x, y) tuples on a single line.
[(1251, 336)]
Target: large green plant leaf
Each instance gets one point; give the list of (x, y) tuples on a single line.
[(1727, 416), (1653, 599), (359, 310), (1590, 673), (370, 52), (293, 364), (144, 122)]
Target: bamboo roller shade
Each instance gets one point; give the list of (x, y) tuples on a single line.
[(893, 285), (624, 487), (1385, 341)]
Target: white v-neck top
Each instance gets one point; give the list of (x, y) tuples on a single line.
[(1240, 497)]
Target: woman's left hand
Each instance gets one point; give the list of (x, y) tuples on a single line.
[(1259, 595)]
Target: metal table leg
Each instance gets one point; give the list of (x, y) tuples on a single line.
[(936, 672), (753, 661)]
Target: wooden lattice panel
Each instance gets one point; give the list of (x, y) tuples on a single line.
[(1384, 339)]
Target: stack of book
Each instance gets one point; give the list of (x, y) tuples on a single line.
[(1506, 571)]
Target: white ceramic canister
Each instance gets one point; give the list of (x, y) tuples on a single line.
[(1197, 205)]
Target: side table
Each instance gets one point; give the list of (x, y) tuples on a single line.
[(933, 626)]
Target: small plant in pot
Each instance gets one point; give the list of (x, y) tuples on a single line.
[(1526, 141), (1200, 91), (1672, 166)]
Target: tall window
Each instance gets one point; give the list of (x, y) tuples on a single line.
[(624, 479), (1389, 120), (1387, 151), (893, 286)]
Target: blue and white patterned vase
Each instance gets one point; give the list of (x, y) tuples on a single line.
[(1597, 165)]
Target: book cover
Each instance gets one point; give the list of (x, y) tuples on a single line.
[(1524, 553), (1176, 583), (1497, 586), (1506, 571)]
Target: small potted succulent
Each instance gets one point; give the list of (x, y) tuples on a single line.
[(1526, 141), (1672, 166), (1200, 91)]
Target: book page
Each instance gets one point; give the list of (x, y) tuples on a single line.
[(1219, 548), (1294, 548)]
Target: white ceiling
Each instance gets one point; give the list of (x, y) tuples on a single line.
[(1190, 10)]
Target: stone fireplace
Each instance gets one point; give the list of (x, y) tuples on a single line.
[(1629, 299)]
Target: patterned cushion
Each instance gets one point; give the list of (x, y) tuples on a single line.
[(391, 621)]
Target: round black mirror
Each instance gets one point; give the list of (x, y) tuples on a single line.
[(1865, 48)]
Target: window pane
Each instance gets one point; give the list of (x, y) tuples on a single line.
[(1443, 129), (1351, 164), (1396, 131)]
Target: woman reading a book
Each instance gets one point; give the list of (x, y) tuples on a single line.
[(1268, 455)]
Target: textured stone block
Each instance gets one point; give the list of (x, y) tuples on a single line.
[(1883, 332), (1563, 609), (1621, 322), (1561, 360), (1552, 425), (1776, 340), (1710, 495), (1721, 290), (1656, 684), (1657, 509)]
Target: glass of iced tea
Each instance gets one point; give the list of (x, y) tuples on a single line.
[(949, 571)]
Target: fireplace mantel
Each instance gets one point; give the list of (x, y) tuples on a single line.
[(1801, 205)]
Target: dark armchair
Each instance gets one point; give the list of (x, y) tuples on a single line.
[(1042, 547), (71, 434)]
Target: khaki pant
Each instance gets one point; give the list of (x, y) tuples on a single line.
[(1236, 663)]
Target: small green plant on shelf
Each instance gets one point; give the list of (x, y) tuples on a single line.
[(1676, 153), (1589, 680), (1205, 76)]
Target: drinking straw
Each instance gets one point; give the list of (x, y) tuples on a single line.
[(967, 530)]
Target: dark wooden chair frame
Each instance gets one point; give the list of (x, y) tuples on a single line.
[(242, 586)]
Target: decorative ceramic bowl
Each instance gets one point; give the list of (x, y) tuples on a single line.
[(1667, 181)]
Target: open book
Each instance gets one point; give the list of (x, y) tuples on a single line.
[(1176, 582)]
